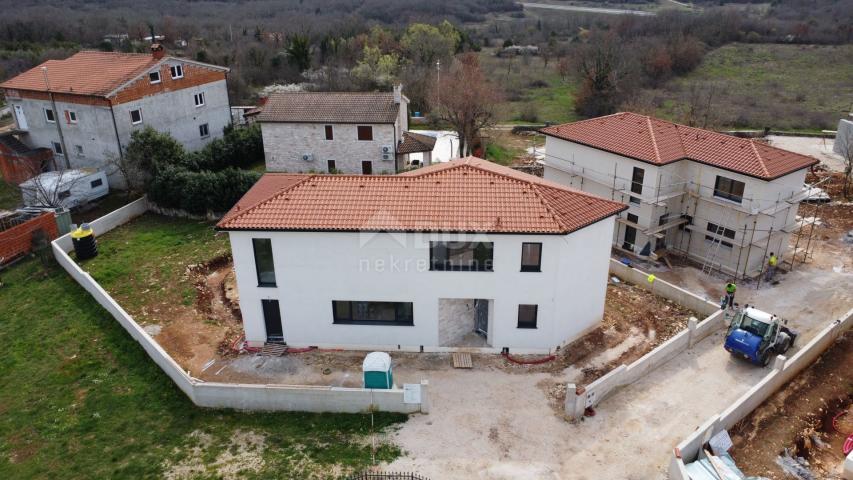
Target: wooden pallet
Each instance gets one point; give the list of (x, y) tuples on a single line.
[(273, 350), (462, 360)]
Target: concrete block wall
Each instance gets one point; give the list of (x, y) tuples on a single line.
[(221, 395), (784, 370)]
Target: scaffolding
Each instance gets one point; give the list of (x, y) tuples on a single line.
[(621, 187)]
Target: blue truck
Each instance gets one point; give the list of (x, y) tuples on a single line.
[(757, 336)]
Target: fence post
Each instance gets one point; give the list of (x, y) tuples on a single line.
[(425, 396), (691, 331)]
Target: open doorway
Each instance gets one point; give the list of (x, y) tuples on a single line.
[(464, 322)]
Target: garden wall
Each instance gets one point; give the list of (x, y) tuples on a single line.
[(222, 395), (784, 369), (579, 398)]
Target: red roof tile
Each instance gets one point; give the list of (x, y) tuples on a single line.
[(466, 195), (84, 73), (660, 142)]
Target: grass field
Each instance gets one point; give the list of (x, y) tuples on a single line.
[(784, 87), (79, 398)]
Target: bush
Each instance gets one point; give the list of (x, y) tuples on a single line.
[(201, 191), (238, 148), (529, 113)]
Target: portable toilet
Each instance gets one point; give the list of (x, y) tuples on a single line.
[(377, 370)]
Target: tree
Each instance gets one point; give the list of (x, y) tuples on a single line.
[(153, 151), (467, 99), (601, 68), (425, 44), (299, 52), (376, 69)]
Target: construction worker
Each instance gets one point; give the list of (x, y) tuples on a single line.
[(771, 267), (729, 302)]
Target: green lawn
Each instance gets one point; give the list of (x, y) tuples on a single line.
[(10, 196), (80, 399), (784, 87)]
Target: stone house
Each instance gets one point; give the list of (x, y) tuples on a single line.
[(335, 132)]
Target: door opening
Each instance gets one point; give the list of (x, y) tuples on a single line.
[(272, 321)]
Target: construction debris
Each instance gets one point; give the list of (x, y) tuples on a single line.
[(462, 360)]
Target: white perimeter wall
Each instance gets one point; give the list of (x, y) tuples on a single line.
[(314, 268)]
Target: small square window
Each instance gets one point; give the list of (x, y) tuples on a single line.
[(64, 194), (71, 116), (96, 183), (78, 149), (203, 130), (57, 147), (365, 132), (177, 71), (136, 116), (330, 132), (527, 316), (48, 115), (154, 77), (199, 99)]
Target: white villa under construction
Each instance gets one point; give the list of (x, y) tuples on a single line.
[(726, 202)]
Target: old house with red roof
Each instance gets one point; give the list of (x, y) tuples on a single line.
[(463, 254), (724, 201), (85, 108)]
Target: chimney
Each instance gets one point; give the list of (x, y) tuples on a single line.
[(157, 51), (398, 93)]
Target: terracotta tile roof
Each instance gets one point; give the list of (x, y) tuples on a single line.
[(465, 195), (84, 73), (416, 142), (330, 107), (660, 142)]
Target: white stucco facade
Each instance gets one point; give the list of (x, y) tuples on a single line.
[(313, 269), (762, 222)]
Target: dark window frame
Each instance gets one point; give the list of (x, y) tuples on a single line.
[(255, 245), (49, 115), (151, 77), (485, 264), (96, 183), (204, 130), (331, 166), (727, 188), (329, 131), (526, 323), (368, 129), (366, 167), (532, 268), (637, 180), (139, 113), (403, 314), (57, 148), (720, 231)]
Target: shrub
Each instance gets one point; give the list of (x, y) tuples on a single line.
[(529, 113), (201, 191), (238, 148)]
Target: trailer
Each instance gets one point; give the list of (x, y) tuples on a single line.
[(65, 188)]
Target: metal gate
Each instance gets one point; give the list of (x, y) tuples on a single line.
[(481, 308)]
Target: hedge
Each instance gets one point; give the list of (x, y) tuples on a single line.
[(200, 192)]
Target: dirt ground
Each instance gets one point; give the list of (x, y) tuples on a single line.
[(820, 148), (799, 418)]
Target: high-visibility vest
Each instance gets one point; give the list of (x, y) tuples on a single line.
[(773, 260), (731, 287)]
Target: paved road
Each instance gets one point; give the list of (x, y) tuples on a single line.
[(572, 8)]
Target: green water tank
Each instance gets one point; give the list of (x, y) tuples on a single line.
[(377, 370)]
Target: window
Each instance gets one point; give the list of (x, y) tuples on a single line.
[(136, 116), (527, 316), (198, 98), (64, 194), (330, 132), (531, 257), (630, 232), (637, 180), (365, 132), (78, 149), (634, 200), (154, 77), (48, 115), (367, 167), (71, 116), (57, 147), (461, 256), (96, 183), (177, 71), (729, 189), (330, 164), (203, 130), (720, 231), (264, 261), (373, 313)]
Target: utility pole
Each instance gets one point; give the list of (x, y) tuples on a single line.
[(65, 152)]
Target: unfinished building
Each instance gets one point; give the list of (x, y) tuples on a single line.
[(724, 201)]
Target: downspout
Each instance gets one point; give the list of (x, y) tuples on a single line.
[(115, 129), (396, 169), (65, 152)]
